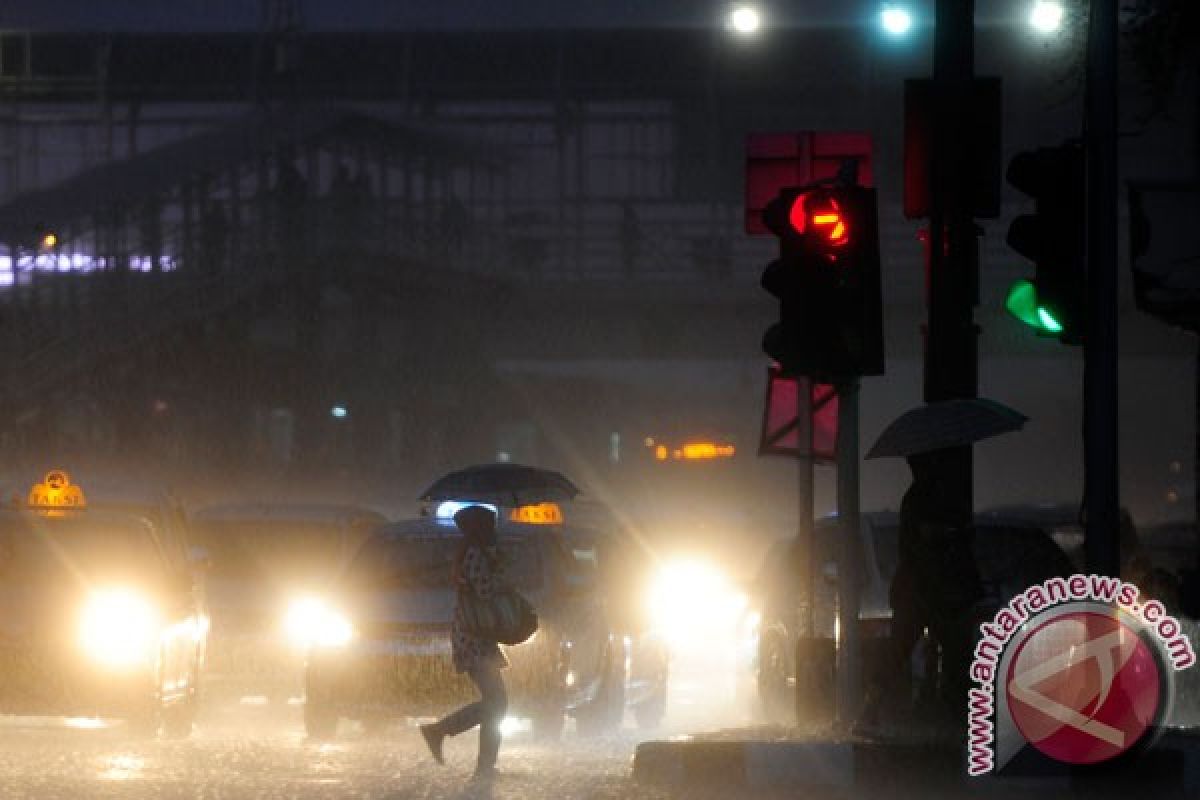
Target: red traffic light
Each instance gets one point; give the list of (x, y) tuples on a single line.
[(820, 214)]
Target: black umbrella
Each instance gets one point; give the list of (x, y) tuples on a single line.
[(501, 484), (950, 423)]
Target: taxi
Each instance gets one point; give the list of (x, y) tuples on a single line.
[(264, 564), (382, 647), (100, 611)]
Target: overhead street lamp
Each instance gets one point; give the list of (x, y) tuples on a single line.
[(1046, 16), (745, 20), (896, 20)]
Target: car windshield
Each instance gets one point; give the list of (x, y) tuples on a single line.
[(87, 547), (271, 549), (428, 563)]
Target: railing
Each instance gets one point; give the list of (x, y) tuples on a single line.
[(58, 324)]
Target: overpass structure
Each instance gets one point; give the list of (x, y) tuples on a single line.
[(250, 229)]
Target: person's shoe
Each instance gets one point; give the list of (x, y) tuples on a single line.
[(484, 774), (433, 739)]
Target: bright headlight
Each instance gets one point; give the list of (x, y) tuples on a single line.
[(311, 622), (692, 598), (119, 627)]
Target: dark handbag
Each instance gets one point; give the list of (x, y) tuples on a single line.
[(505, 616)]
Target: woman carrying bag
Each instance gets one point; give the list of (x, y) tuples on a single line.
[(477, 576)]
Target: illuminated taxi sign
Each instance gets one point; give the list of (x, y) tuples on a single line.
[(537, 514), (704, 451), (56, 491), (693, 451)]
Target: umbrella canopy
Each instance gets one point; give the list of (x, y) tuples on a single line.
[(501, 484), (950, 423)]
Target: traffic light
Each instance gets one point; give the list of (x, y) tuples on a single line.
[(1054, 238), (827, 281)]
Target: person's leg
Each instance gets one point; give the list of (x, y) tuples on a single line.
[(463, 719), (454, 723), (889, 685), (494, 706)]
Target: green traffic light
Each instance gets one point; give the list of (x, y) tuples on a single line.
[(1049, 323), (1022, 303)]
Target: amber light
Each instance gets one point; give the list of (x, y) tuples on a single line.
[(830, 225), (537, 514), (703, 451), (819, 213), (56, 491)]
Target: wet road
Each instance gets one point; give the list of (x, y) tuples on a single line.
[(249, 752), (252, 753)]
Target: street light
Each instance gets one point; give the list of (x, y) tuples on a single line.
[(1046, 16), (895, 20), (745, 20)]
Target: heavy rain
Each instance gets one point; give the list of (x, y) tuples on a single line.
[(599, 400)]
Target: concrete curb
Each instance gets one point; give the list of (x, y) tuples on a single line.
[(889, 768), (751, 764)]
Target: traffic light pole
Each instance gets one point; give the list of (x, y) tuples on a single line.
[(951, 354), (849, 662), (805, 548), (1102, 484)]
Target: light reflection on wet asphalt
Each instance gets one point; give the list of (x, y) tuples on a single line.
[(259, 752), (263, 754)]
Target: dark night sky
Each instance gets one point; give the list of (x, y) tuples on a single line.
[(215, 15)]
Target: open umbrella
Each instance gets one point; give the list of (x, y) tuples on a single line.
[(949, 423), (501, 484)]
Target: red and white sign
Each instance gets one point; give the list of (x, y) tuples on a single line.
[(781, 431), (1084, 687), (777, 161)]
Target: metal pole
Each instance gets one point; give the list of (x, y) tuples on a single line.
[(951, 356), (1102, 486), (849, 661), (805, 543)]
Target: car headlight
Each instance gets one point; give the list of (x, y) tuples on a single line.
[(689, 599), (311, 622), (119, 627)]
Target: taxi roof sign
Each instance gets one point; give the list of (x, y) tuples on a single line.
[(537, 514), (696, 450), (56, 492)]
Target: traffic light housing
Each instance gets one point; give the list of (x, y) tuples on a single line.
[(1054, 238), (827, 281)]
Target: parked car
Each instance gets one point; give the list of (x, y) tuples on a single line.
[(384, 649), (1010, 556), (1152, 558), (100, 611), (265, 564)]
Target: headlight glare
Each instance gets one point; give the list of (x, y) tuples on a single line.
[(691, 599), (119, 627), (311, 622)]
